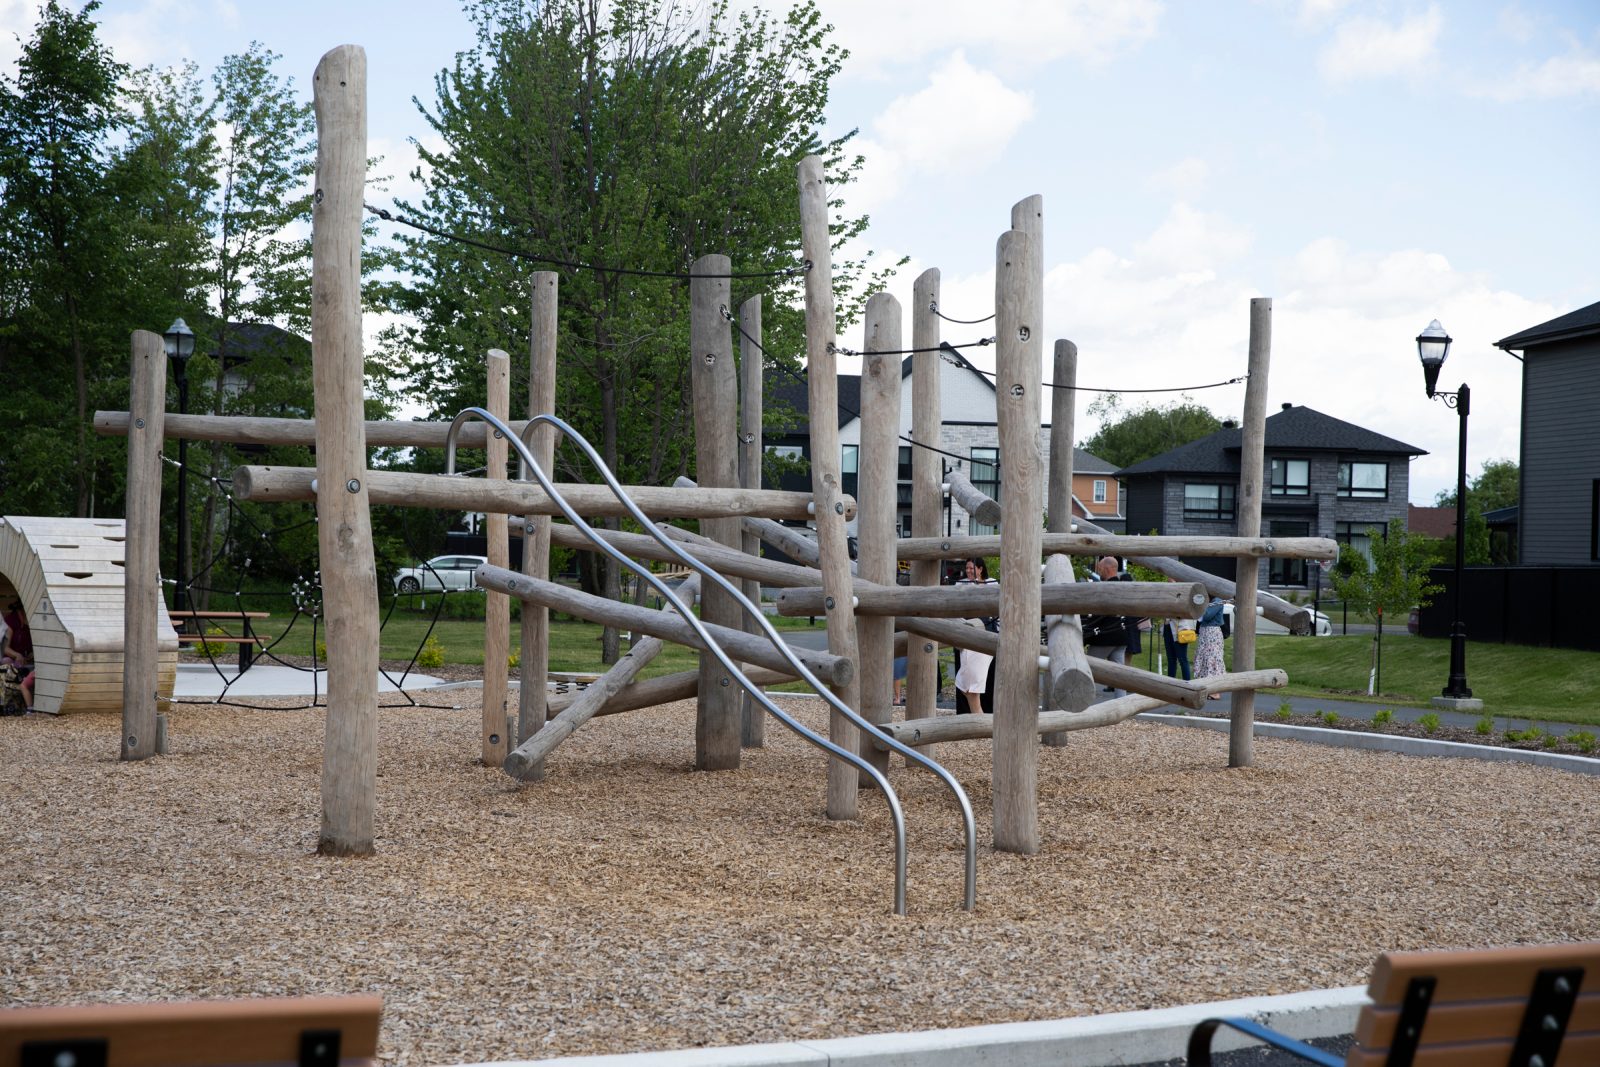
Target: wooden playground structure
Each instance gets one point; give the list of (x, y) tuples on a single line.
[(1042, 691)]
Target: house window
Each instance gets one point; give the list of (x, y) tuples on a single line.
[(786, 451), (849, 462), (1364, 481), (1290, 477), (1355, 537), (985, 479), (1207, 501), (1099, 490), (1288, 571)]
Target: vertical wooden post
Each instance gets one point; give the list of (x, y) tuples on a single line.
[(1019, 342), (141, 602), (1252, 463), (714, 384), (1071, 685), (533, 700), (752, 716), (927, 499), (496, 606), (877, 524), (822, 377), (344, 528)]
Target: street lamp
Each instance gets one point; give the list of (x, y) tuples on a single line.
[(1433, 345), (180, 346)]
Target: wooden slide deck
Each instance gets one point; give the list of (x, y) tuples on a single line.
[(68, 573)]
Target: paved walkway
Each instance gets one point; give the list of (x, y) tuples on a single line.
[(197, 680)]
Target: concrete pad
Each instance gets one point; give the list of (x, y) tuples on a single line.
[(1132, 1037), (197, 681)]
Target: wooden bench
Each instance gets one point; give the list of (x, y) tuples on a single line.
[(307, 1031), (1511, 1007), (188, 624)]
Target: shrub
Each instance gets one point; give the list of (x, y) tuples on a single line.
[(1583, 739), (1551, 740), (322, 651), (1284, 711), (1330, 717), (1429, 722), (514, 660), (1382, 717), (432, 654), (212, 649), (1485, 725)]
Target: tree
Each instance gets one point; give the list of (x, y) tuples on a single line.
[(629, 136), (1126, 438), (1394, 580), (1497, 485), (56, 118)]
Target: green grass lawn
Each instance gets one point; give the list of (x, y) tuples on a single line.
[(1557, 684)]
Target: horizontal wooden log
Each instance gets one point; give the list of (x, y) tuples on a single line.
[(665, 689), (589, 702), (726, 561), (982, 508), (1160, 600), (918, 732), (796, 544), (250, 430), (1083, 544), (667, 625), (276, 484), (976, 638)]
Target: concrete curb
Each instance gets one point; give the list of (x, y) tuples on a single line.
[(1409, 746), (1129, 1037)]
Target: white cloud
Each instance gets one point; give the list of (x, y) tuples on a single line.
[(964, 116), (1317, 11), (1515, 24), (1575, 74), (881, 33), (1371, 48), (1189, 241), (1184, 180), (17, 19)]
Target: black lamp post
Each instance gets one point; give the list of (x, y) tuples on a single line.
[(180, 346), (1433, 345)]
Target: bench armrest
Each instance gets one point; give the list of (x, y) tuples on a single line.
[(1200, 1042)]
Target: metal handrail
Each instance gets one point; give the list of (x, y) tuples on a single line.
[(529, 463)]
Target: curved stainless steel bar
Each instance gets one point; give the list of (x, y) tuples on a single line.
[(500, 430), (525, 454), (969, 825)]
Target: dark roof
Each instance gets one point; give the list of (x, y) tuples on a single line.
[(796, 393), (1292, 428), (1585, 320), (1089, 463), (246, 340), (1506, 516), (1433, 522)]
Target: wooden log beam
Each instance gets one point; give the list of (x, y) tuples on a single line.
[(544, 311), (982, 507), (877, 489), (927, 496), (1071, 675), (274, 484), (1109, 544), (589, 703), (1106, 713), (257, 430), (141, 603), (831, 669), (1170, 690), (665, 689), (1252, 472), (1167, 600), (1071, 685), (752, 716), (496, 606)]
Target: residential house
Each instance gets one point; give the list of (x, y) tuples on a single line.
[(1323, 477), (970, 437), (1558, 516)]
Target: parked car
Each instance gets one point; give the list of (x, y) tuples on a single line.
[(439, 573), (1264, 625)]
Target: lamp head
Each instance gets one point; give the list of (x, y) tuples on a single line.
[(179, 341), (1433, 345)]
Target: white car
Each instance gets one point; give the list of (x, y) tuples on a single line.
[(439, 573), (1264, 625)]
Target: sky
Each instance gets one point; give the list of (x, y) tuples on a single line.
[(1369, 165)]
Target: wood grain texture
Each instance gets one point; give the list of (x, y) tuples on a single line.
[(1252, 463), (544, 302), (752, 716), (927, 477), (496, 606), (877, 493), (141, 600), (1172, 600)]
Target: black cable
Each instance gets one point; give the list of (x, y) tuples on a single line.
[(1093, 389), (388, 216), (933, 306)]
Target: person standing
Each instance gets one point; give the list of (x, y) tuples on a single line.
[(975, 676), (1208, 658)]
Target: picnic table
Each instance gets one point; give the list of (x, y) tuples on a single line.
[(190, 631)]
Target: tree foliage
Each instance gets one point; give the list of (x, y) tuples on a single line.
[(1497, 485), (1394, 580), (1129, 437)]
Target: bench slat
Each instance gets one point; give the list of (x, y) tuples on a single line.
[(210, 1032), (1487, 974), (1480, 1021), (1576, 1049)]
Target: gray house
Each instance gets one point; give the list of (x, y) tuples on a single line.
[(1558, 520), (1324, 477)]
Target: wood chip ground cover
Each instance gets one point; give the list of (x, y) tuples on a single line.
[(630, 903)]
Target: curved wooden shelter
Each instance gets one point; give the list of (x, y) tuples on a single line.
[(69, 576)]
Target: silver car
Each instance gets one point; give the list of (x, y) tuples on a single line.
[(439, 573)]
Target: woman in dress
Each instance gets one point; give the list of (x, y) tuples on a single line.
[(1208, 662), (972, 679)]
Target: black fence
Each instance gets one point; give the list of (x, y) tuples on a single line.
[(1550, 606)]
